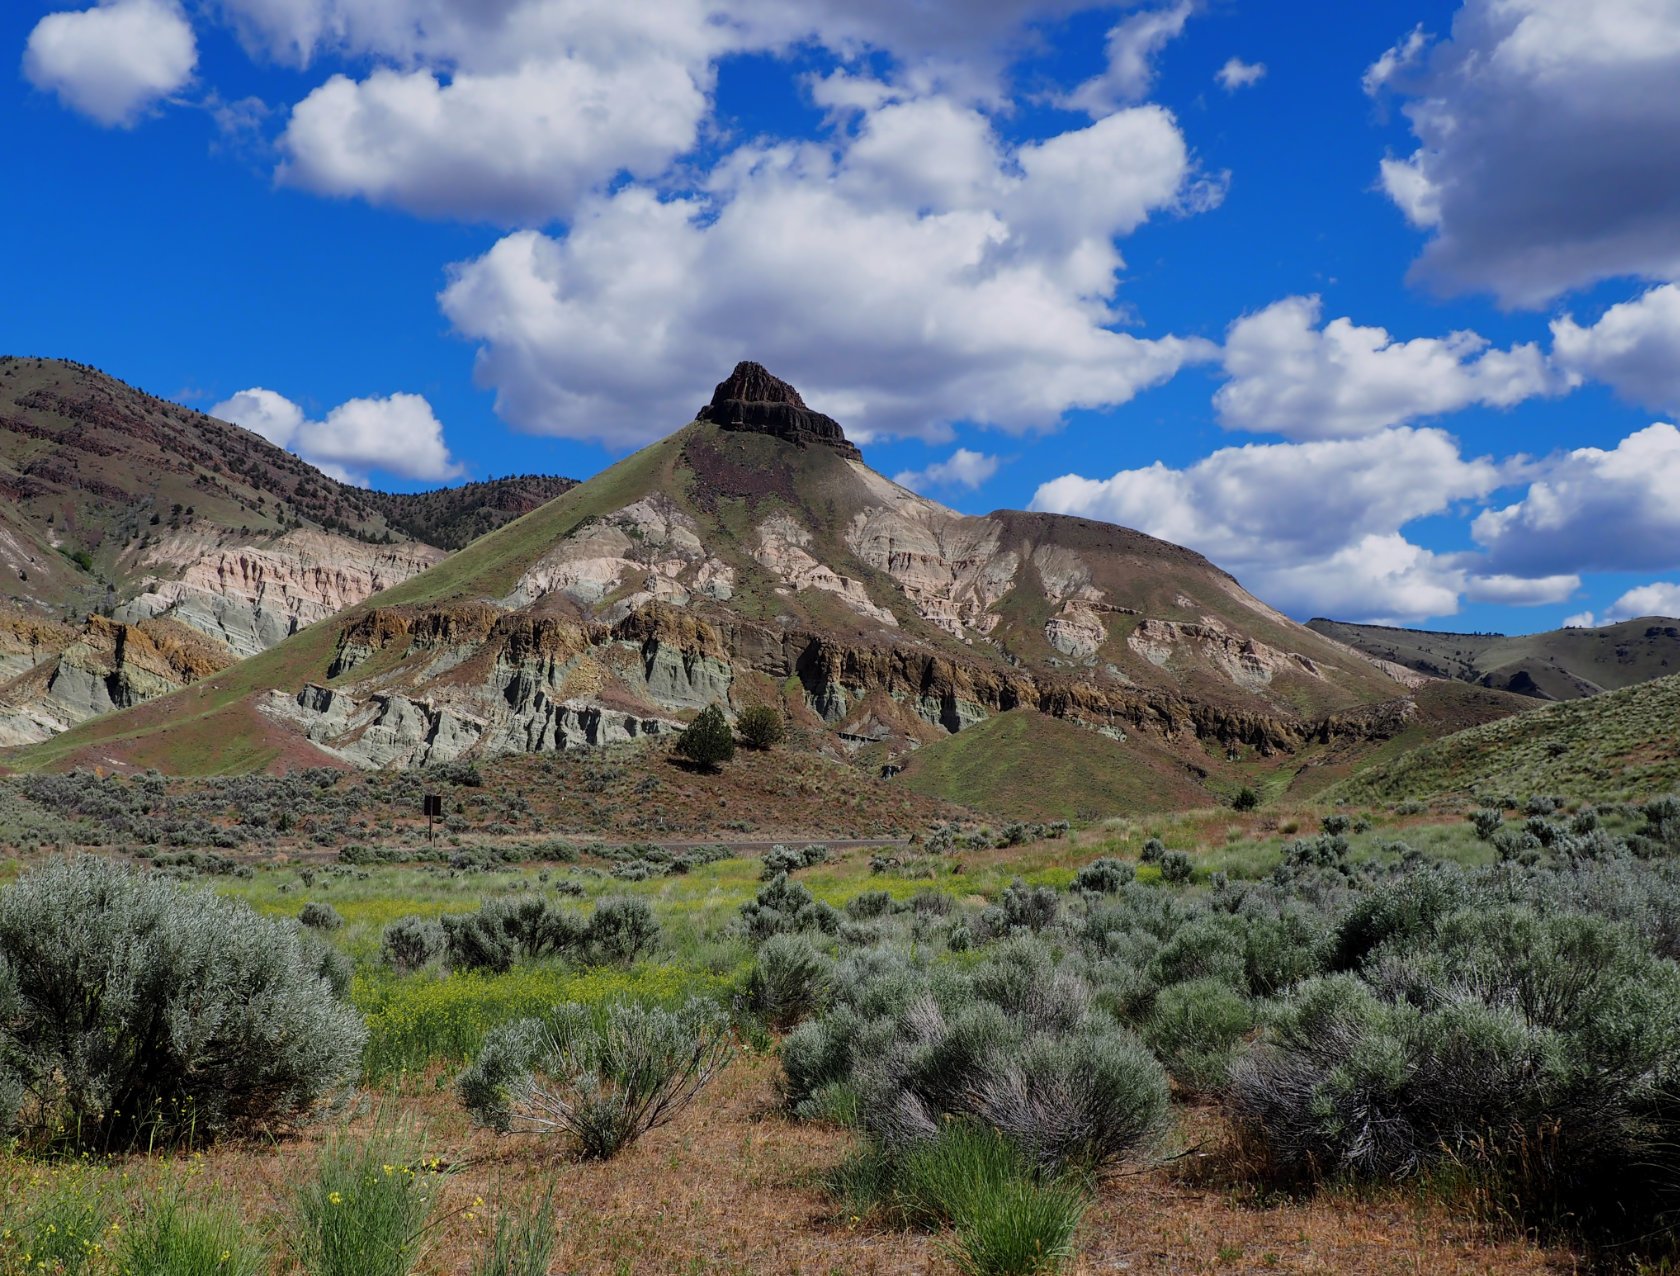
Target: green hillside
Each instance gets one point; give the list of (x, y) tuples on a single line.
[(762, 551), (1024, 765), (95, 473), (1560, 664), (1623, 745)]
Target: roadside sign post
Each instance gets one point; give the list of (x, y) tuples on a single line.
[(434, 808)]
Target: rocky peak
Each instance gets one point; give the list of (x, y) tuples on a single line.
[(754, 400)]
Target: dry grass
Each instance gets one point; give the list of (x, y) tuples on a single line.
[(732, 1186)]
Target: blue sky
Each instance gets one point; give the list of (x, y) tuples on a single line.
[(1373, 304)]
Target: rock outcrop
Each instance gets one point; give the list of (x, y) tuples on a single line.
[(649, 551), (753, 558), (509, 683), (1246, 662), (952, 569), (252, 597), (782, 548), (28, 642), (752, 399), (106, 666)]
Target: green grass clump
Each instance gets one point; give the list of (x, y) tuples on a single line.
[(524, 1240), (602, 1076), (170, 1240), (1017, 1227), (54, 1218), (1006, 1219), (366, 1211)]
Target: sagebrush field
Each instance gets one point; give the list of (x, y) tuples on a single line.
[(1301, 1040)]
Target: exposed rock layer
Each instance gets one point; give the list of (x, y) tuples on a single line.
[(107, 666), (254, 596), (752, 399), (749, 559)]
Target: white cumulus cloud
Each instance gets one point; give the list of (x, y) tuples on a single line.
[(963, 468), (1542, 128), (1289, 376), (931, 37), (520, 145), (1313, 527), (900, 296), (1133, 45), (1594, 509), (1660, 599), (1376, 580), (1402, 56), (513, 111), (114, 61), (397, 434), (1521, 591), (1237, 74), (1634, 348)]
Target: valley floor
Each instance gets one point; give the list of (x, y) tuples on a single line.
[(735, 1185), (732, 1187)]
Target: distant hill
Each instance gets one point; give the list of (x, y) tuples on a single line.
[(751, 556), (1619, 746), (1068, 775), (118, 505), (454, 517), (1561, 664)]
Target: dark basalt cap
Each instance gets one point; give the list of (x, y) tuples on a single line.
[(754, 400)]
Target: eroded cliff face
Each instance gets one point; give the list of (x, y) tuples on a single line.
[(476, 679), (649, 551), (782, 547), (209, 598), (28, 641), (952, 569), (253, 596), (105, 666), (879, 616), (473, 678), (750, 558)]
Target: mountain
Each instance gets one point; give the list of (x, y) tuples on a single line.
[(752, 556), (1561, 664), (1619, 746), (453, 517), (119, 512)]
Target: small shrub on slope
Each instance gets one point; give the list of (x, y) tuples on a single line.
[(1013, 1044), (785, 906), (787, 981), (622, 929), (411, 943), (1104, 876), (1176, 868), (761, 726), (1541, 1050), (506, 931), (319, 916), (1196, 1029), (708, 741), (788, 859)]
